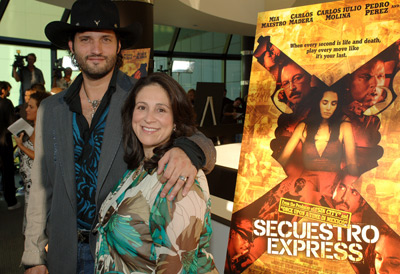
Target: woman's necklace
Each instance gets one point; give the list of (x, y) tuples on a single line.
[(95, 103)]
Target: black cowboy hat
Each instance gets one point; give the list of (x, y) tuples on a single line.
[(92, 15)]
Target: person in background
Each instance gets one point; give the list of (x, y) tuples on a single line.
[(79, 148), (233, 113), (5, 89), (191, 94), (225, 101), (26, 148), (27, 75), (20, 110), (7, 117), (4, 93), (155, 114), (65, 81)]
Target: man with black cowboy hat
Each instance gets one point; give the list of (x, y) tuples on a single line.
[(78, 147)]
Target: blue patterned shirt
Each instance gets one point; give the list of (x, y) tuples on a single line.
[(87, 149)]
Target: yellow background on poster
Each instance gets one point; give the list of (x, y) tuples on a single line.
[(136, 62), (330, 41), (258, 171)]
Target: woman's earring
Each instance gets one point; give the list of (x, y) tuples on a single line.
[(174, 128)]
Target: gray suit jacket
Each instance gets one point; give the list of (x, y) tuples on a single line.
[(52, 210)]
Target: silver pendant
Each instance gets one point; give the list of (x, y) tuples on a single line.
[(95, 103)]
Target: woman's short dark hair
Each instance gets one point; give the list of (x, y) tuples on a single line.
[(183, 117), (39, 97)]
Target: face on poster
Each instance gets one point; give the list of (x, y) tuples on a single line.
[(317, 182)]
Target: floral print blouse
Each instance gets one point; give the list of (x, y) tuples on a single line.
[(140, 232), (25, 169)]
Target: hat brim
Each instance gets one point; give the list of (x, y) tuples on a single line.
[(59, 33)]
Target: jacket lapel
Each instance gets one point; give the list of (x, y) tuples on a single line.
[(66, 156), (113, 132)]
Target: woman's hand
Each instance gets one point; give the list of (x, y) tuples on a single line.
[(27, 151), (18, 139)]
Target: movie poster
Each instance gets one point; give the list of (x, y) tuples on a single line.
[(136, 62), (318, 181)]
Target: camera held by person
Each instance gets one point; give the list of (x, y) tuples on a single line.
[(19, 60), (58, 69)]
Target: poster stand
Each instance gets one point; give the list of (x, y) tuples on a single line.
[(209, 102)]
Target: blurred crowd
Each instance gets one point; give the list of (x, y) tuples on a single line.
[(17, 152)]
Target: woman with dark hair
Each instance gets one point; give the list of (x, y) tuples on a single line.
[(325, 137), (26, 147), (138, 230), (383, 256)]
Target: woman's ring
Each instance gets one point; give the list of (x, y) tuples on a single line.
[(183, 178)]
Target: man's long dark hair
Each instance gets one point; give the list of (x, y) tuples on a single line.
[(314, 118), (183, 116)]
